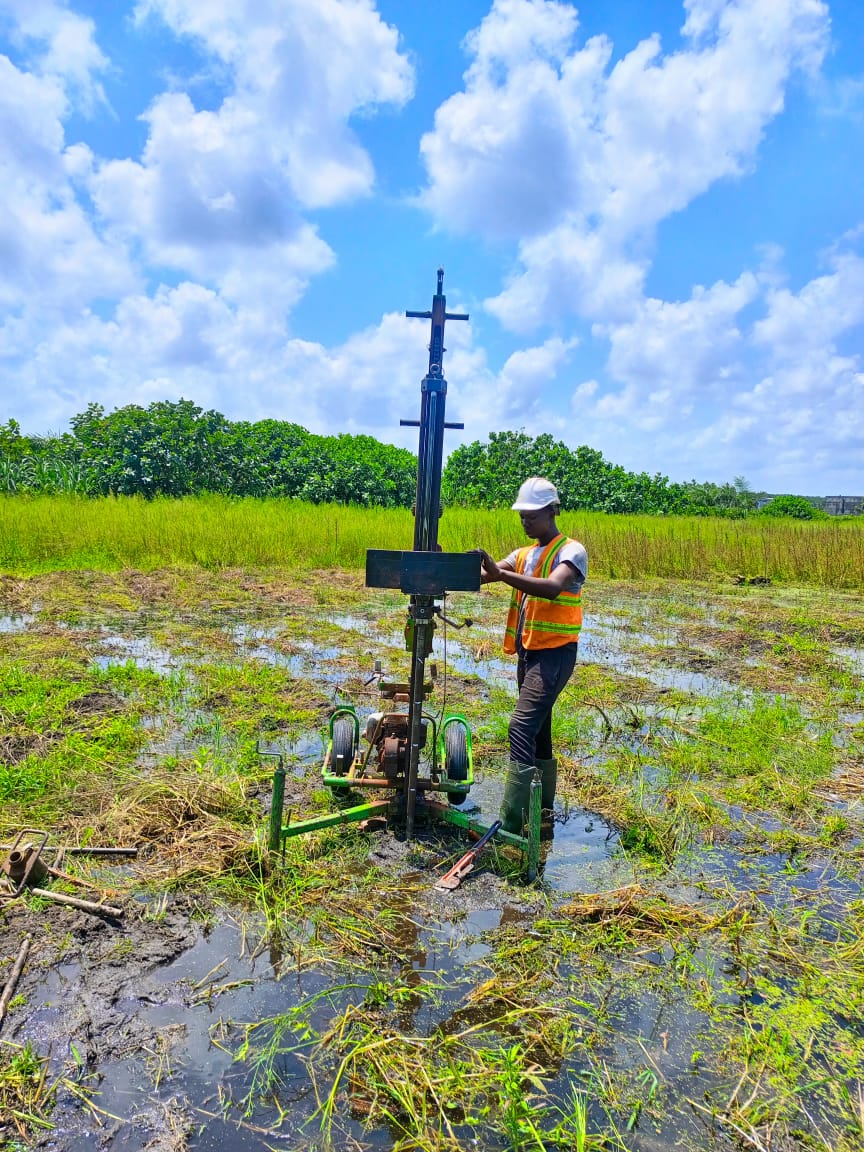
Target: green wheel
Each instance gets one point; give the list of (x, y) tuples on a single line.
[(342, 748), (456, 759)]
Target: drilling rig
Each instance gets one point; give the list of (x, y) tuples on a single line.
[(421, 766)]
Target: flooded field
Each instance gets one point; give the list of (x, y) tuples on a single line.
[(687, 972)]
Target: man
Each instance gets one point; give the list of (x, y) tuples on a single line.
[(543, 631)]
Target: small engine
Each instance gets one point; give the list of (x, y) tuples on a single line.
[(388, 733)]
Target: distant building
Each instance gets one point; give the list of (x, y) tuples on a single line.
[(842, 505), (833, 505)]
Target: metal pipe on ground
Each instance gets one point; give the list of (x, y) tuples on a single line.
[(14, 976), (75, 902)]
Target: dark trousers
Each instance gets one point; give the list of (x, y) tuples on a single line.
[(541, 675)]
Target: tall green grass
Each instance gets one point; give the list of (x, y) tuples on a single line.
[(54, 532)]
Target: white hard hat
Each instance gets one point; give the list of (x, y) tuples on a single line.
[(534, 494)]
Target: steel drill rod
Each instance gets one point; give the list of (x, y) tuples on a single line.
[(76, 850), (427, 506), (418, 670), (84, 851)]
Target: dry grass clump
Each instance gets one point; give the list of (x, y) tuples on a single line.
[(848, 782), (15, 747), (193, 827), (638, 911), (737, 642), (312, 591), (15, 594)]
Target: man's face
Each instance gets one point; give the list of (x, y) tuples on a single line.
[(536, 521)]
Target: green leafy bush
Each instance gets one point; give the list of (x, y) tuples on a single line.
[(489, 475), (178, 449), (796, 507)]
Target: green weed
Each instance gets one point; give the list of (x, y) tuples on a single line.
[(26, 1096)]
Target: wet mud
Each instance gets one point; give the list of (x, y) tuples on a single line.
[(135, 1010), (88, 986), (679, 914)]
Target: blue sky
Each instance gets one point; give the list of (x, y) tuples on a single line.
[(652, 210)]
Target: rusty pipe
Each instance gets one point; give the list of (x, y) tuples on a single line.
[(75, 902)]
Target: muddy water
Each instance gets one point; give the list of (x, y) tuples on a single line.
[(583, 854), (140, 650), (167, 1042), (136, 1014), (156, 1042), (16, 623), (164, 1044), (604, 640)]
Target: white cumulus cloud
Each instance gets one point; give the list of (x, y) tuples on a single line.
[(573, 159), (578, 163), (776, 397), (219, 195), (58, 43), (52, 256)]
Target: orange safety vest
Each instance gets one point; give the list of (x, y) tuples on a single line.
[(548, 623)]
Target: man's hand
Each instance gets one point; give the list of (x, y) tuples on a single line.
[(489, 571)]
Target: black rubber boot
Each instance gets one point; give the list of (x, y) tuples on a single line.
[(517, 790)]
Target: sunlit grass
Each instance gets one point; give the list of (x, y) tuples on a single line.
[(26, 1096), (49, 532)]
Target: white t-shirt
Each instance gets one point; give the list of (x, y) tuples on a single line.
[(571, 553)]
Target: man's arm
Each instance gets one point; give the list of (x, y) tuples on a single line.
[(546, 587)]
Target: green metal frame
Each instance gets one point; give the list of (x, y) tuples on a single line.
[(334, 819), (279, 832), (529, 844)]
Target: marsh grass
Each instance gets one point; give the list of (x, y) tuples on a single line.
[(779, 988), (778, 1009), (50, 532), (441, 1091), (643, 914), (741, 923), (258, 698), (64, 727)]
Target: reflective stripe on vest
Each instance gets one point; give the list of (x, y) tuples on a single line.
[(548, 623)]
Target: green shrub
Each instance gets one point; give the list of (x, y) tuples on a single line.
[(798, 507)]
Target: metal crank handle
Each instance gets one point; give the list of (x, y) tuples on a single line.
[(466, 622)]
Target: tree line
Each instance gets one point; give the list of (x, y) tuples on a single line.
[(178, 449)]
